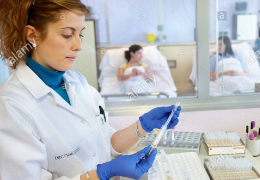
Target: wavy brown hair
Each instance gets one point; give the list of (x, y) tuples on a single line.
[(16, 14)]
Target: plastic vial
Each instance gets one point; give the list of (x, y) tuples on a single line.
[(165, 138)]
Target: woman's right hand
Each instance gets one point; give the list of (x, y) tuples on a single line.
[(131, 166), (231, 73), (134, 71)]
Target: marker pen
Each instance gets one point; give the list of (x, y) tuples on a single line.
[(251, 127), (253, 124)]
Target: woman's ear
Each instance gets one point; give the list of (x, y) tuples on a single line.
[(132, 54), (31, 34)]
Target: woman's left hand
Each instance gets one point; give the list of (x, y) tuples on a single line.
[(157, 117)]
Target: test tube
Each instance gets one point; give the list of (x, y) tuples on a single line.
[(172, 136), (164, 156), (165, 138)]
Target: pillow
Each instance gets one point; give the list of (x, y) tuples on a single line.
[(246, 53), (151, 56), (116, 57)]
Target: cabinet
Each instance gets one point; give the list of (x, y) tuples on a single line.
[(245, 27)]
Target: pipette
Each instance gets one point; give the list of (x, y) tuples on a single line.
[(163, 129)]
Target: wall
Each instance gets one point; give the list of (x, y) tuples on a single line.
[(4, 73), (128, 27), (229, 7), (98, 12), (179, 19)]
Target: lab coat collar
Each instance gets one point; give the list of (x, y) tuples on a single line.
[(31, 81), (39, 89), (68, 79), (34, 84)]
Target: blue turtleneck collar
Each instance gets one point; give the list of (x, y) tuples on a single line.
[(53, 79), (49, 77)]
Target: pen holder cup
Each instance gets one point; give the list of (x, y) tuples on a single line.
[(253, 146)]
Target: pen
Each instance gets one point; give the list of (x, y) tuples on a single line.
[(102, 112), (253, 123), (252, 127)]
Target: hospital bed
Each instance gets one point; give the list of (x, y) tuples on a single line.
[(109, 84), (233, 84)]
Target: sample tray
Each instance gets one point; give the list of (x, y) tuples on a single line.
[(230, 175), (179, 166), (226, 150), (183, 142)]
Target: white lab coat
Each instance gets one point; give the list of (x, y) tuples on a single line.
[(43, 137)]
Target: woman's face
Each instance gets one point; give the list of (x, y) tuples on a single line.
[(221, 47), (59, 49), (137, 56)]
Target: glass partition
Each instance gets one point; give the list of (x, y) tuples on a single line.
[(163, 65), (234, 50)]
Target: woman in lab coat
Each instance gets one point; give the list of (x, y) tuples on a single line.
[(52, 122)]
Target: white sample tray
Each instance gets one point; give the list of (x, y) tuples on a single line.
[(179, 166)]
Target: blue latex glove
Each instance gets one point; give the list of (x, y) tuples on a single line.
[(158, 116), (131, 166)]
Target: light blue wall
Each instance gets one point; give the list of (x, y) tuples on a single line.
[(130, 20), (98, 10), (179, 18), (4, 73), (229, 7)]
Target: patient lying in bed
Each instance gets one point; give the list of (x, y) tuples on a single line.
[(227, 53), (134, 73), (234, 71)]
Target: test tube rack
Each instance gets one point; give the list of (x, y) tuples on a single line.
[(180, 166), (221, 174), (224, 149), (183, 142)]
